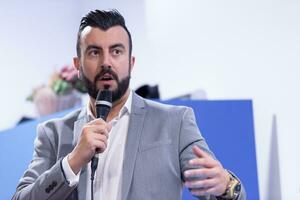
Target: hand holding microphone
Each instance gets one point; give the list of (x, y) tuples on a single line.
[(103, 105), (93, 138)]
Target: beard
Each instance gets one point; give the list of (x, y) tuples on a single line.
[(122, 85)]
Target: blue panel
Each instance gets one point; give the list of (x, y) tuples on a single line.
[(226, 125), (228, 129), (16, 149)]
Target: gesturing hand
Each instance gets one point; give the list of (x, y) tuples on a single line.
[(214, 178)]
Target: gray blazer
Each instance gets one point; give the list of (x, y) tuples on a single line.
[(157, 150)]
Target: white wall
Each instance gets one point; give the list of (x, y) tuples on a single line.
[(232, 49), (36, 38), (235, 49)]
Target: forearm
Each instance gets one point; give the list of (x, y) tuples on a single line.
[(49, 185)]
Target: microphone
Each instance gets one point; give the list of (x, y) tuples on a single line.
[(103, 105)]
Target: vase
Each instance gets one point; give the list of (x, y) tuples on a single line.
[(46, 101)]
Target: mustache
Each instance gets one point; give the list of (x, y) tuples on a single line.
[(106, 70)]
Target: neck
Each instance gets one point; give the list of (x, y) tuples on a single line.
[(116, 106)]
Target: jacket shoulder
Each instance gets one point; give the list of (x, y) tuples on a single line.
[(164, 107), (67, 119)]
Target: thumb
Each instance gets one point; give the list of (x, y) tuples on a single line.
[(199, 152)]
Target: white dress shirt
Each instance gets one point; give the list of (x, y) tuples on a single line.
[(108, 177)]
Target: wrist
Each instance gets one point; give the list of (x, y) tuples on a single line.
[(74, 163), (233, 188)]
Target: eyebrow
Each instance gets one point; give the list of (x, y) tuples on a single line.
[(92, 47), (117, 45), (99, 48)]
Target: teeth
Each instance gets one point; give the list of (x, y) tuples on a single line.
[(106, 78)]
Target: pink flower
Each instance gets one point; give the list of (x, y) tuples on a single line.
[(68, 73), (63, 82)]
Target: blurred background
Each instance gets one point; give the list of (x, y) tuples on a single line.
[(229, 49)]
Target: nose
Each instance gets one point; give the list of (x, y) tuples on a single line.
[(106, 61), (105, 67)]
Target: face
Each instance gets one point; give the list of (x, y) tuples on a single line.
[(105, 61)]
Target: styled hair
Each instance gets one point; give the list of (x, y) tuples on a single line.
[(103, 20)]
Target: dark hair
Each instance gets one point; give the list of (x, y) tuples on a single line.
[(103, 20)]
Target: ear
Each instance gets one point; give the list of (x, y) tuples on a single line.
[(132, 61), (76, 62)]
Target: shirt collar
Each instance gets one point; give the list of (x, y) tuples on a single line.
[(126, 109)]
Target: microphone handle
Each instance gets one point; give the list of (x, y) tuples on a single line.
[(101, 112)]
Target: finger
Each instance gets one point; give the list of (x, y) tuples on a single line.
[(207, 191), (202, 191), (199, 152), (99, 129), (200, 184), (100, 142), (91, 128), (99, 146), (215, 191), (200, 173), (203, 162), (97, 121), (101, 137), (106, 126)]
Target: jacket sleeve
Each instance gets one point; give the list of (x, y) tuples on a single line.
[(190, 136), (44, 177)]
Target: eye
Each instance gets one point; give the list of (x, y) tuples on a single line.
[(93, 52), (116, 52)]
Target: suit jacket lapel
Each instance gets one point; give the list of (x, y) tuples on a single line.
[(132, 142), (82, 119)]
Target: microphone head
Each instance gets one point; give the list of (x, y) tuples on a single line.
[(104, 97), (103, 104)]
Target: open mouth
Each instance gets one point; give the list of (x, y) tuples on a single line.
[(106, 77)]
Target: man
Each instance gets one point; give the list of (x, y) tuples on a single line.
[(146, 150)]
